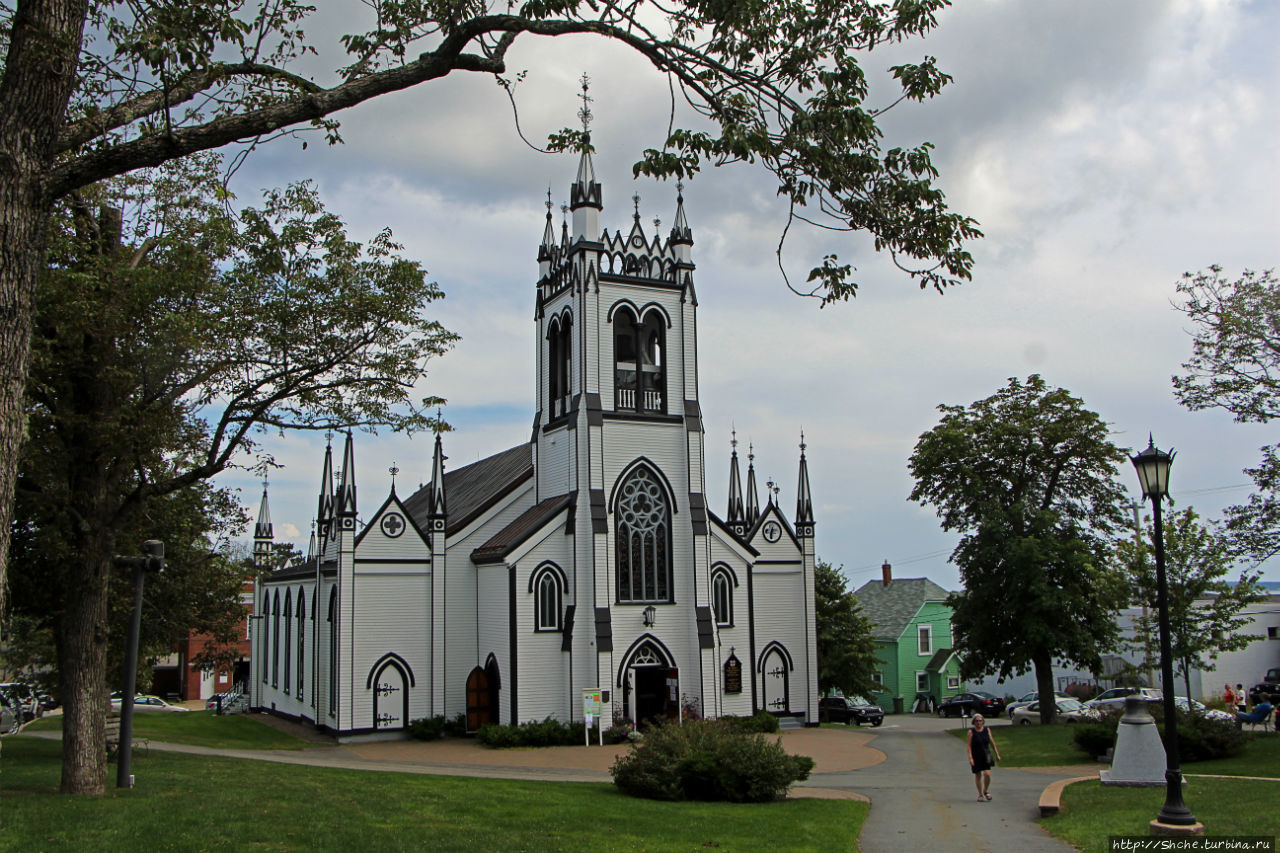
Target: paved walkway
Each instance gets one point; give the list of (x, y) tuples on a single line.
[(913, 772)]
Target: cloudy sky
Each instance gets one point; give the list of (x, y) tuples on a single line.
[(1105, 148)]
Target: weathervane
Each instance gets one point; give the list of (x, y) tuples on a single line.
[(549, 204), (585, 113), (635, 199), (733, 440), (393, 470), (802, 444)]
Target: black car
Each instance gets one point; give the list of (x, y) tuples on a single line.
[(850, 709), (968, 704)]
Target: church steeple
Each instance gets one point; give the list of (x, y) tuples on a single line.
[(346, 497), (681, 234), (753, 501), (585, 195), (737, 515), (324, 507), (547, 249), (436, 505), (263, 535), (804, 501)]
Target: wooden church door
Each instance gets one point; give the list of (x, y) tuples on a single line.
[(479, 709)]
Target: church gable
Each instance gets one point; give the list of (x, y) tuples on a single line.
[(392, 534), (774, 538)]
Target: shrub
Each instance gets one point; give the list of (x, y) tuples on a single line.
[(1199, 738), (457, 727), (620, 732), (548, 732), (708, 760), (427, 728), (761, 722)]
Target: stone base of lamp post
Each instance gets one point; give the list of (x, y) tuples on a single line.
[(1169, 830)]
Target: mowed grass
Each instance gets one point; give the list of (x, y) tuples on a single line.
[(1034, 746), (1090, 813), (190, 803), (197, 728)]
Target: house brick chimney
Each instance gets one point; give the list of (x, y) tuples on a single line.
[(887, 572)]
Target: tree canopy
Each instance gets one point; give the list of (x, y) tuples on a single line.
[(169, 334), (1235, 366), (95, 90), (1205, 608), (1028, 477), (845, 637)]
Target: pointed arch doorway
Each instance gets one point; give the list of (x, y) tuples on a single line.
[(650, 683), (483, 685)]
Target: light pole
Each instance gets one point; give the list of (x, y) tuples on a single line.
[(152, 560), (1153, 472)]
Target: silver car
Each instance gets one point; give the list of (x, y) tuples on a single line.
[(1113, 699), (1069, 711)]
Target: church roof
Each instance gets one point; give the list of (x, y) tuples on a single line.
[(891, 608), (474, 488), (522, 527)]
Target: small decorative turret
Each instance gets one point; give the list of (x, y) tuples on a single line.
[(737, 519), (753, 501), (346, 498), (681, 234), (324, 508), (263, 535), (585, 196), (804, 501), (548, 246), (436, 510), (313, 549)]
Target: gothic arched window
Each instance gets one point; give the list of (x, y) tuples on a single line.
[(722, 597), (288, 635), (266, 634), (302, 633), (559, 360), (643, 516), (275, 641), (640, 361), (333, 650), (548, 602)]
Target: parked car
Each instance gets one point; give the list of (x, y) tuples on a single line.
[(1069, 711), (10, 717), (966, 704), (1113, 699), (850, 709), (145, 702), (22, 698), (1269, 686), (1028, 698)]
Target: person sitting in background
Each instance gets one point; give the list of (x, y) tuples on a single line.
[(1261, 712)]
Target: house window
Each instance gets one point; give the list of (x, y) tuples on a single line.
[(722, 597), (926, 639), (877, 677), (1273, 633), (548, 603), (640, 362), (643, 539), (559, 350), (922, 682), (953, 682)]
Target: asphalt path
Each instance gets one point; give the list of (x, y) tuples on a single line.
[(923, 796)]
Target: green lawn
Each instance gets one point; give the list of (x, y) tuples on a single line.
[(1091, 812), (187, 802), (198, 728), (1034, 746)]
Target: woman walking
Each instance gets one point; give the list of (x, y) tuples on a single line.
[(983, 754)]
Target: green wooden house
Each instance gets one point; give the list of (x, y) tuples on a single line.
[(913, 627)]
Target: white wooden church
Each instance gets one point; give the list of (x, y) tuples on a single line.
[(585, 558)]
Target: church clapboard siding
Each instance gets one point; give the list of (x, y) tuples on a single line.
[(586, 558)]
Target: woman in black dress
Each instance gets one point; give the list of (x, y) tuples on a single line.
[(983, 754)]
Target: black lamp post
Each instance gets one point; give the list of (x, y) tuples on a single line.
[(152, 560), (1153, 472)]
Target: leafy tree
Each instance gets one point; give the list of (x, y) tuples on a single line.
[(1235, 365), (1028, 477), (169, 333), (95, 90), (1204, 607), (846, 639)]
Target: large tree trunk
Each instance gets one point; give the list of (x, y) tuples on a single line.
[(1044, 687), (82, 661), (39, 75)]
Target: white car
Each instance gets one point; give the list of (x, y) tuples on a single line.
[(1069, 711), (144, 702), (1028, 698), (1113, 699)]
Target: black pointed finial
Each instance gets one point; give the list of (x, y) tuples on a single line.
[(635, 199), (751, 452), (657, 223), (549, 204), (802, 444), (733, 440)]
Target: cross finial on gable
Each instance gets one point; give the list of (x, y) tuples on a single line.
[(585, 113)]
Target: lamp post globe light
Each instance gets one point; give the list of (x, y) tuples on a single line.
[(1153, 473)]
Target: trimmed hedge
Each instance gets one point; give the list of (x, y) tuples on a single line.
[(1199, 738), (549, 732), (708, 760), (434, 728)]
